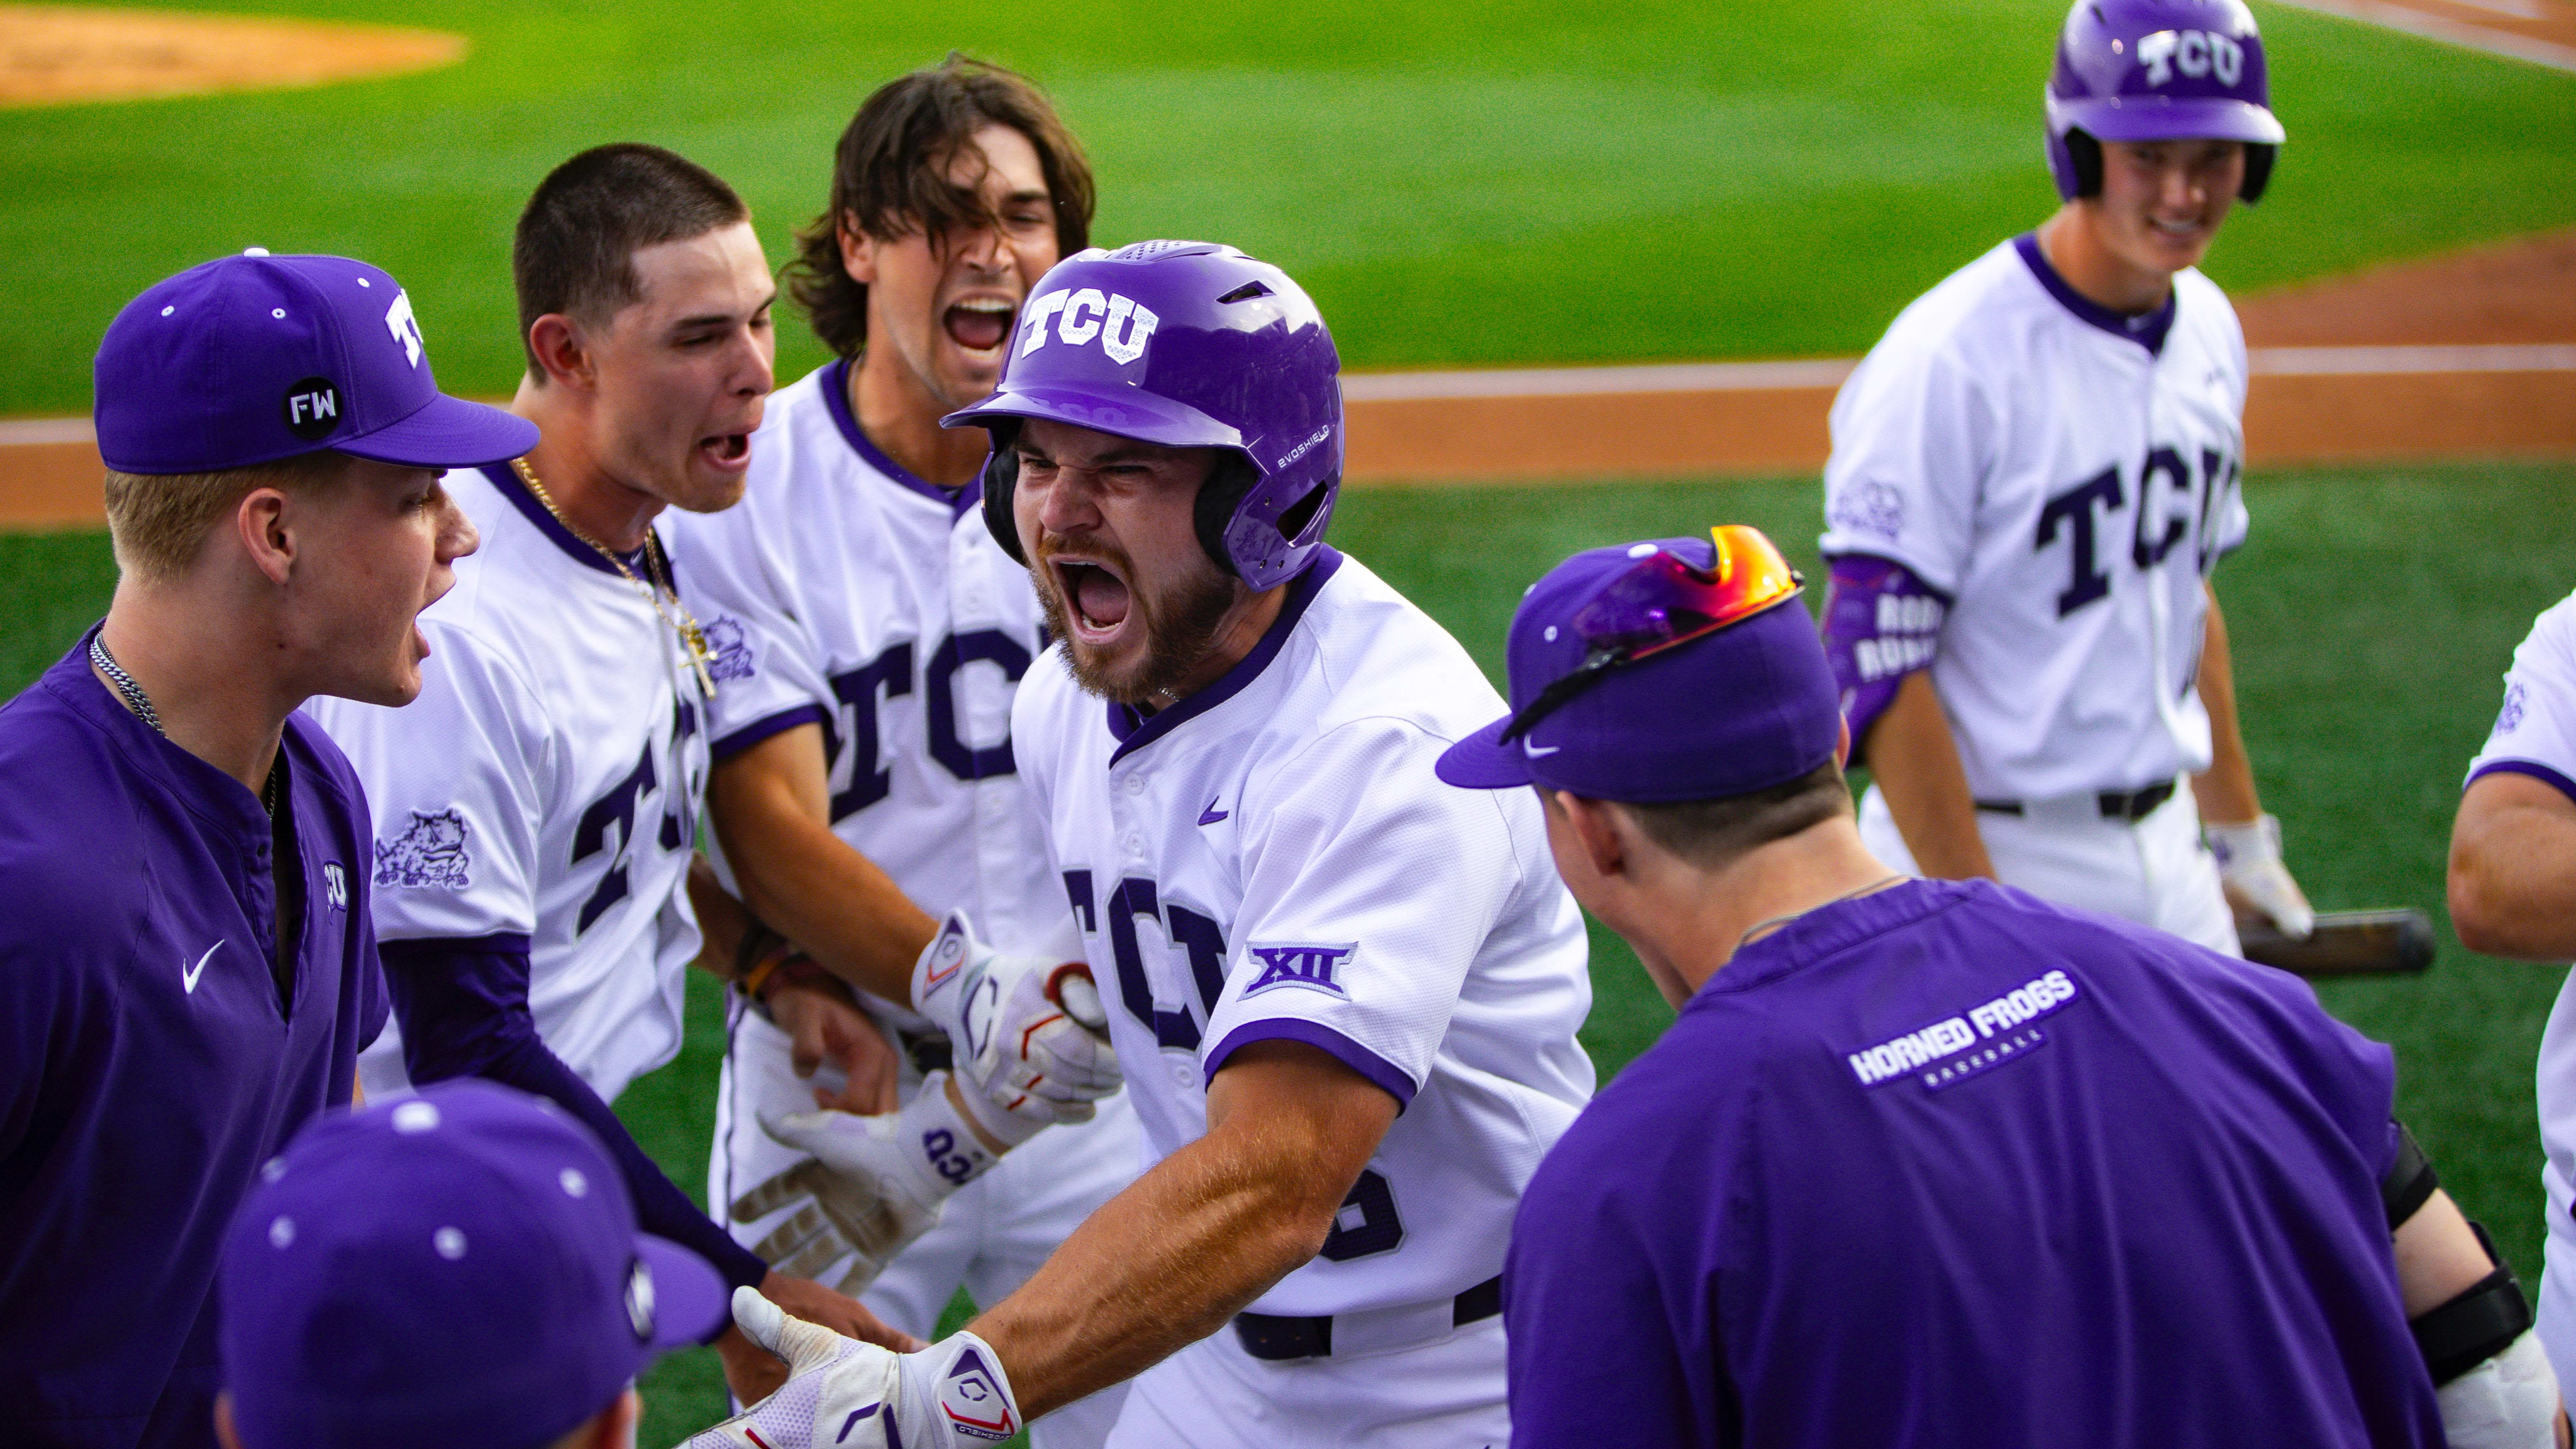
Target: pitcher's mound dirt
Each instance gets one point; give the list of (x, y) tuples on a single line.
[(53, 55)]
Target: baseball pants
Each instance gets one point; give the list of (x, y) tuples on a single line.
[(2557, 1094), (2155, 872), (990, 1237), (1444, 1394)]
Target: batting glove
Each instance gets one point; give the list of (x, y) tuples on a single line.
[(1030, 1036), (2249, 862), (852, 1395), (871, 1186)]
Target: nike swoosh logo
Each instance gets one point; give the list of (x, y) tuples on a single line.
[(188, 974), (1211, 814), (1534, 751)]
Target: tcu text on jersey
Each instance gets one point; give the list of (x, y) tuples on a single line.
[(2165, 503)]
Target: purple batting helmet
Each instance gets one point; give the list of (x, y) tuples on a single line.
[(2158, 70), (1190, 345)]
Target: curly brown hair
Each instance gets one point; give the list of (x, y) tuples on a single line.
[(890, 178)]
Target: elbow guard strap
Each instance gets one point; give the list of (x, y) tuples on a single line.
[(2476, 1326), (2410, 1181)]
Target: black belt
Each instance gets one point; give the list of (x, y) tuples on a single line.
[(1277, 1337), (2131, 806)]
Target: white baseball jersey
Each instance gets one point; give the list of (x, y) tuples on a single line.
[(2535, 735), (543, 791), (2065, 478), (1272, 858), (845, 592)]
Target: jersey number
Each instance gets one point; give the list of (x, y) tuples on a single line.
[(2073, 513), (890, 675)]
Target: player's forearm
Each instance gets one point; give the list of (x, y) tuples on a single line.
[(1915, 763), (2513, 869), (811, 887), (2225, 791), (1159, 1267)]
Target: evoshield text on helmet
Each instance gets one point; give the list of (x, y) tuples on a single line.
[(2158, 70), (1189, 345)]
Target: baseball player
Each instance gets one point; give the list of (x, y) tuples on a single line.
[(2513, 894), (1935, 1162), (869, 636), (535, 814), (1344, 995), (2034, 474), (187, 969), (459, 1267)]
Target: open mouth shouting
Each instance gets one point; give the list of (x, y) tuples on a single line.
[(726, 452), (1097, 599), (979, 324)]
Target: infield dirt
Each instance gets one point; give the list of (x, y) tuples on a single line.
[(2515, 293), (57, 54)]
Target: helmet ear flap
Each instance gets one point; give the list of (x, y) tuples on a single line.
[(1001, 480), (2258, 171), (2084, 164), (1224, 490)]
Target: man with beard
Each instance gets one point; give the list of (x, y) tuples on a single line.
[(1344, 994), (870, 635), (535, 810)]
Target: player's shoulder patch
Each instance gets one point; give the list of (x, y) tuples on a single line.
[(1874, 509), (1314, 968), (731, 645), (429, 853)]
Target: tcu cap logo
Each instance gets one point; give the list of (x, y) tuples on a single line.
[(2193, 52), (1079, 316), (312, 408), (404, 326)]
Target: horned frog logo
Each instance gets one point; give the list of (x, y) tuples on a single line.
[(732, 649), (429, 853)]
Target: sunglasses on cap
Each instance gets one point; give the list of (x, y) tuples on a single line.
[(1662, 601)]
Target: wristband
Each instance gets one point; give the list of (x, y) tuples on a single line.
[(753, 980)]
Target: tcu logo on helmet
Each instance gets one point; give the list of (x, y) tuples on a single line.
[(1079, 316), (2193, 52)]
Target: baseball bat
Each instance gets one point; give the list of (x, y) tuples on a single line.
[(2346, 943)]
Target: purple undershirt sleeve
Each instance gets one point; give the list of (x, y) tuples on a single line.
[(463, 1005), (1881, 624)]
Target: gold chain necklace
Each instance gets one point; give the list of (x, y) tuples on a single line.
[(693, 638)]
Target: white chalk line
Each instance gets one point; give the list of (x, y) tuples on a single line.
[(1830, 372), (1722, 377), (2455, 32)]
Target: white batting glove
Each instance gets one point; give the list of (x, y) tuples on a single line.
[(2508, 1402), (2249, 863), (873, 1185), (852, 1395), (1030, 1036)]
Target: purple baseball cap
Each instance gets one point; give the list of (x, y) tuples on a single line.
[(1748, 707), (457, 1267), (251, 359)]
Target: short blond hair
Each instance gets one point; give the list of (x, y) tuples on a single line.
[(158, 522)]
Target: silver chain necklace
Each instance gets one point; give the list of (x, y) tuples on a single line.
[(135, 699), (141, 703)]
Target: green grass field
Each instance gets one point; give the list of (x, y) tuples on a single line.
[(1526, 182), (2372, 613), (1519, 183)]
